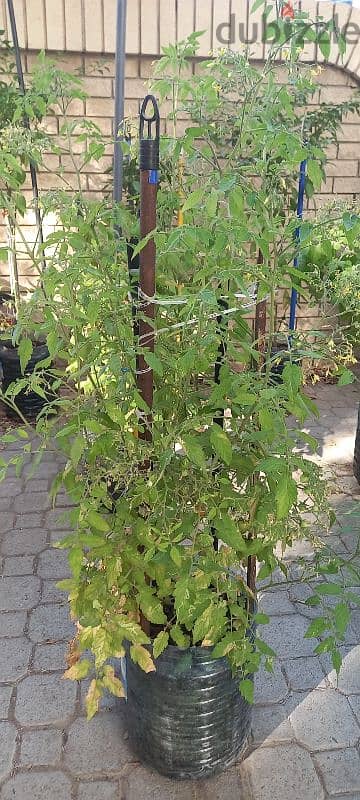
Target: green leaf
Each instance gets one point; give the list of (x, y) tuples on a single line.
[(329, 589), (285, 495), (3, 253), (97, 521), (257, 4), (221, 443), (342, 618), (316, 628), (194, 451), (25, 350), (236, 203), (77, 448), (247, 690), (194, 199), (315, 173), (160, 643), (324, 44), (346, 378), (151, 607), (212, 203), (154, 363), (229, 533), (76, 557), (176, 555), (142, 657), (179, 637), (336, 660)]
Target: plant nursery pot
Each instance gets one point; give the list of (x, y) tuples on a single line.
[(29, 403), (188, 719)]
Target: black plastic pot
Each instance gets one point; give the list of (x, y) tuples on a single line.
[(187, 720), (29, 403), (356, 464)]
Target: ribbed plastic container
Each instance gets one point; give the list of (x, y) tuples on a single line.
[(29, 403), (187, 720)]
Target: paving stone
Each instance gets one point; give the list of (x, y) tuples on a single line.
[(24, 521), (5, 696), (354, 701), (19, 592), (14, 659), (271, 723), (228, 785), (53, 564), (101, 744), (340, 770), (7, 520), (40, 748), (32, 501), (36, 485), (51, 594), (12, 623), (98, 790), (276, 603), (304, 673), (51, 623), (270, 687), (37, 786), (26, 541), (50, 657), (6, 503), (141, 783), (8, 734), (45, 700), (322, 720), (57, 520), (10, 487), (286, 636), (349, 676), (283, 773), (58, 536), (18, 565)]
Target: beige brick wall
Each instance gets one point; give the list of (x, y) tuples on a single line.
[(334, 85)]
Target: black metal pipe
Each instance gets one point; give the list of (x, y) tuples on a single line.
[(26, 122)]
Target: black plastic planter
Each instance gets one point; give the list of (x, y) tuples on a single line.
[(187, 720), (28, 402)]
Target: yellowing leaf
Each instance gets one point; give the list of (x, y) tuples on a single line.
[(78, 671), (92, 699), (142, 657), (112, 683)]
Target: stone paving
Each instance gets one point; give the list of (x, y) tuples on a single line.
[(306, 728)]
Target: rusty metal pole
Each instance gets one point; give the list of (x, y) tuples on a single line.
[(149, 178)]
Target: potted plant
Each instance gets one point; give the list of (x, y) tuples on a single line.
[(164, 575)]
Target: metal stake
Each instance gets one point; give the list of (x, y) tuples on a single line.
[(21, 82), (149, 177)]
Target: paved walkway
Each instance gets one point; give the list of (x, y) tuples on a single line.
[(306, 730)]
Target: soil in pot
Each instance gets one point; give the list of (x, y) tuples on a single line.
[(188, 719), (28, 402)]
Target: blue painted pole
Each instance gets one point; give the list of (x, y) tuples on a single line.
[(299, 211)]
